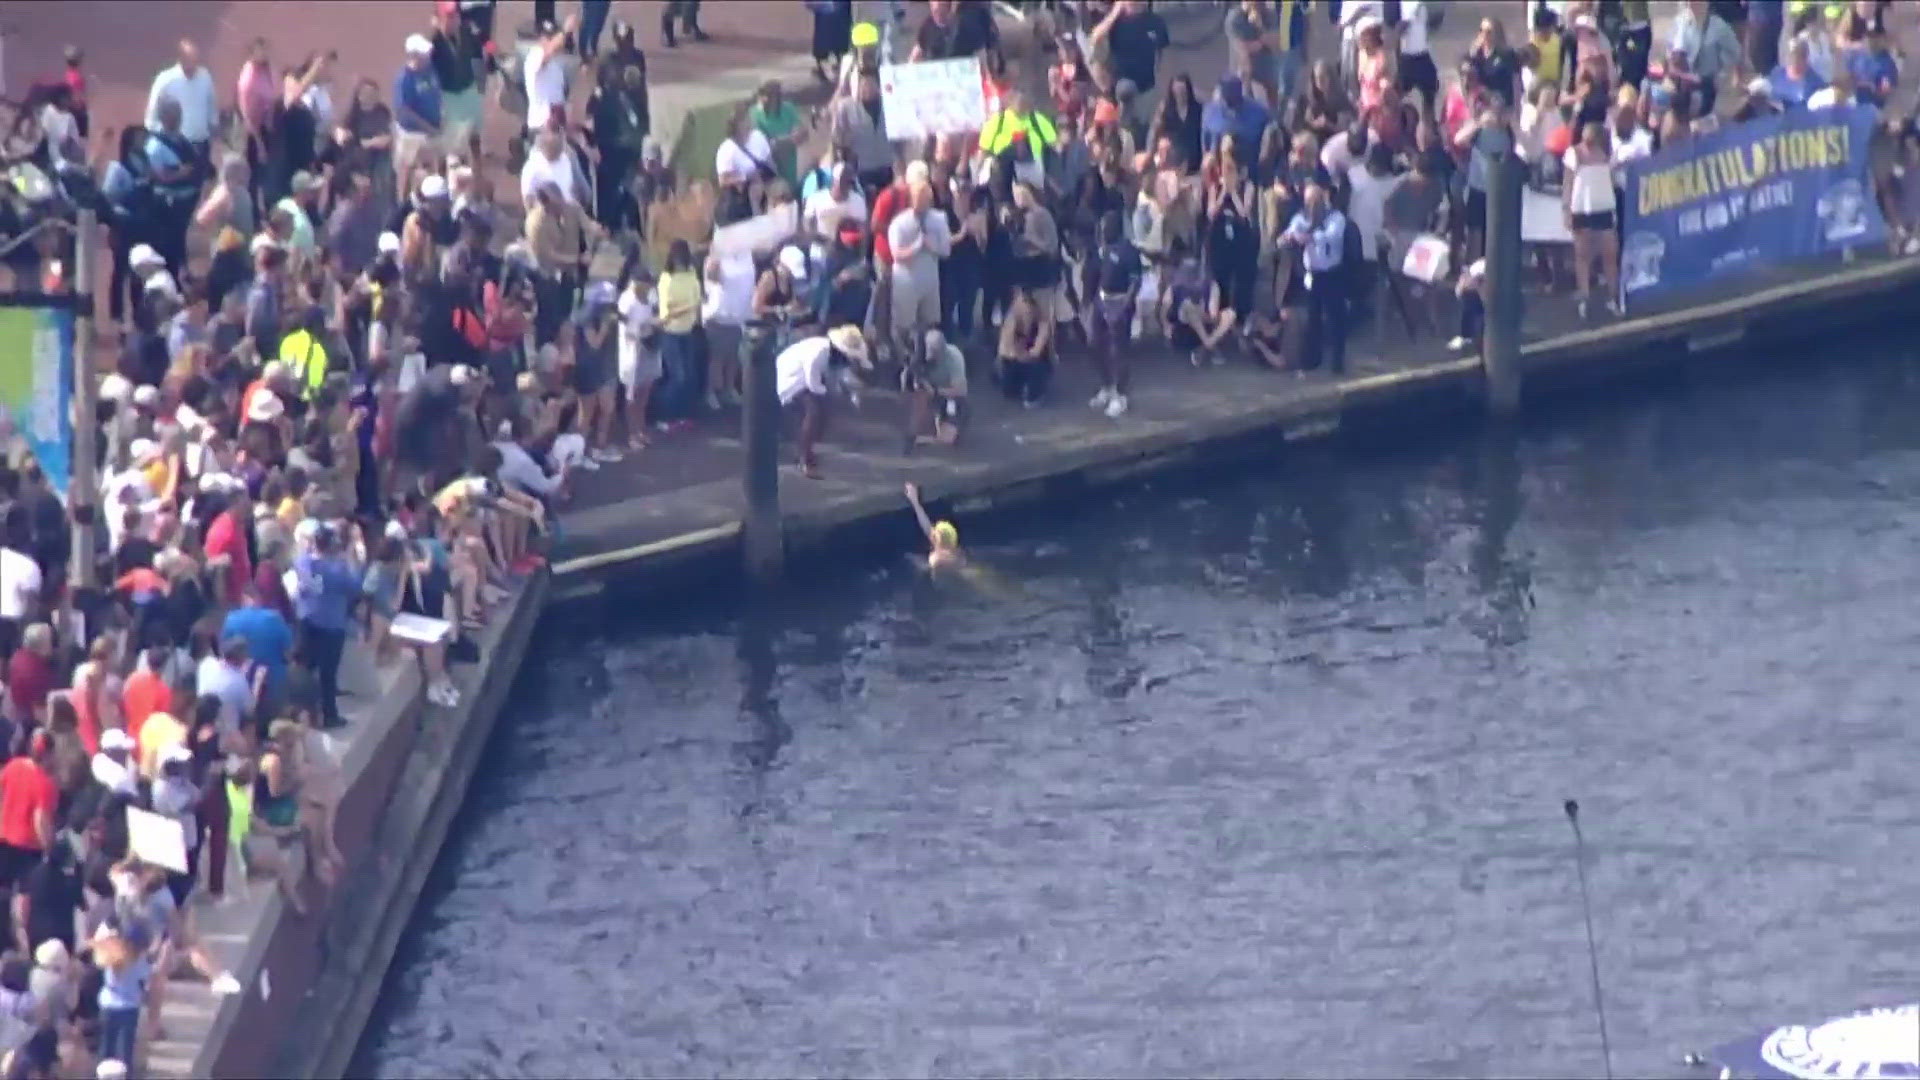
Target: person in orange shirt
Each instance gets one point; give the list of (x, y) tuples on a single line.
[(146, 691)]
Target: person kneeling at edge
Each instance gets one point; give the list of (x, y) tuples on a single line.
[(1026, 349), (811, 371), (937, 384), (943, 539)]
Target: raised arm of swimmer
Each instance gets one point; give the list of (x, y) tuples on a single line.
[(943, 538)]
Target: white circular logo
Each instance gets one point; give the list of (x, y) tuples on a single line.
[(1878, 1044)]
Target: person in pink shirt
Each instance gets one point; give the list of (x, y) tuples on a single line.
[(1375, 62), (256, 87)]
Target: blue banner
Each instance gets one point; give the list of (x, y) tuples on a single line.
[(36, 382), (1767, 191)]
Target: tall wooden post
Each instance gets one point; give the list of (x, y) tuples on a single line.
[(763, 541), (1501, 354)]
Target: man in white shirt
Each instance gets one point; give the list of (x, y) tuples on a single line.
[(1369, 185), (550, 163), (189, 85), (803, 372), (20, 585), (546, 75), (840, 201), (917, 238)]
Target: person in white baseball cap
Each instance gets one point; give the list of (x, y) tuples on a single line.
[(417, 106)]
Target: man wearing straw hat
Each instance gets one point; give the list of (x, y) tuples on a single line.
[(811, 371)]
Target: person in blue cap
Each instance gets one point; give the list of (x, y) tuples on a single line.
[(1231, 112)]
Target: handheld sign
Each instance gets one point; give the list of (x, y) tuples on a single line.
[(157, 840), (419, 629), (933, 97)]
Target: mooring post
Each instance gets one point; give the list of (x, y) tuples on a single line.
[(764, 543), (1501, 351), (83, 480)]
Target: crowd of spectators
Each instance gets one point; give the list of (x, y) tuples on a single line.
[(355, 375)]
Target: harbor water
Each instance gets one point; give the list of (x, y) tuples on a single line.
[(1257, 773)]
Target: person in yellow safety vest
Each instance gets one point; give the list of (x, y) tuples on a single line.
[(1016, 118), (304, 352)]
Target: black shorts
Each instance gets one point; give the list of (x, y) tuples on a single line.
[(591, 375), (1417, 72), (1183, 337), (14, 864), (1600, 222)]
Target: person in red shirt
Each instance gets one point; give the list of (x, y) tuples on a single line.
[(30, 677), (76, 81), (887, 205), (146, 691), (227, 538), (29, 801)]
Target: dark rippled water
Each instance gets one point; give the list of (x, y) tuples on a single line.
[(1259, 776)]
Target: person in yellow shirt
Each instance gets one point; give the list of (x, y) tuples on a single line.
[(161, 731), (1551, 49), (680, 298), (304, 352), (1018, 118)]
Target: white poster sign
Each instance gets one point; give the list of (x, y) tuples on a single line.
[(419, 629), (1543, 218), (156, 839), (933, 97), (757, 234)]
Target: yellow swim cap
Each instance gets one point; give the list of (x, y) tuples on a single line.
[(865, 34), (945, 533)]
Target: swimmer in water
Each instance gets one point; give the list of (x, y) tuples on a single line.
[(943, 539)]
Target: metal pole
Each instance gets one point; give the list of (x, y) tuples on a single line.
[(1501, 354), (761, 534), (83, 484)]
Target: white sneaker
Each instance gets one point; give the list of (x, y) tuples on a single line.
[(225, 985), (1117, 407), (587, 463), (1458, 344), (1101, 399), (608, 455)]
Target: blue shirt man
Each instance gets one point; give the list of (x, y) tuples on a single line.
[(1875, 72), (416, 92), (1322, 243), (1232, 113), (269, 639), (328, 588), (1791, 91)]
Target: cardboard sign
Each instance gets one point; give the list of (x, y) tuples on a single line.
[(1543, 219), (419, 629), (756, 235), (1426, 260), (933, 97), (156, 839)]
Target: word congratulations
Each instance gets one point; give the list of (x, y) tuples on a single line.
[(1738, 168)]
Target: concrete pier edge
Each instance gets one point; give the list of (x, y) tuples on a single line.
[(421, 799), (1846, 300)]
